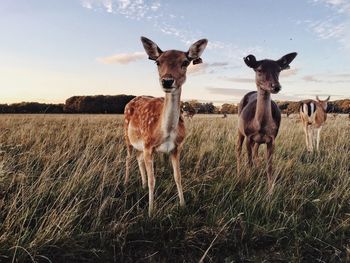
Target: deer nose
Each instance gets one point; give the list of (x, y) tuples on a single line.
[(167, 83), (276, 87)]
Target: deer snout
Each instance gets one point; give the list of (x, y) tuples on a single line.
[(167, 83), (275, 87)]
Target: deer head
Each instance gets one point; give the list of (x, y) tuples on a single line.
[(172, 64), (323, 103), (267, 71)]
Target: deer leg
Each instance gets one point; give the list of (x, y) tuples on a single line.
[(141, 162), (256, 153), (318, 137), (311, 139), (249, 145), (307, 137), (269, 152), (148, 159), (175, 161), (240, 139), (127, 162)]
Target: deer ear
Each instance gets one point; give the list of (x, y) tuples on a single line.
[(251, 62), (284, 61), (151, 48), (196, 50), (317, 98)]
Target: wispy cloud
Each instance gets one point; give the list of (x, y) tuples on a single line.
[(133, 9), (228, 91), (239, 79), (207, 68), (336, 26), (328, 78), (167, 22), (124, 58)]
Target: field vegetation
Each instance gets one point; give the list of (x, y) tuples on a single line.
[(62, 197)]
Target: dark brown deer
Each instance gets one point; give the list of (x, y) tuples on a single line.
[(259, 117), (155, 124)]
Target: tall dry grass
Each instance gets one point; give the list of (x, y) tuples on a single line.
[(62, 197)]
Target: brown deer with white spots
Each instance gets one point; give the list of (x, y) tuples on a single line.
[(155, 124), (313, 116), (259, 117)]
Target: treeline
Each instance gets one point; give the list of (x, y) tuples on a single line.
[(286, 107), (116, 105), (76, 104), (31, 107)]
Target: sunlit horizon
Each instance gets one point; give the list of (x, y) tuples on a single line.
[(52, 51)]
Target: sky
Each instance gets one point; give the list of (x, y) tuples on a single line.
[(54, 49)]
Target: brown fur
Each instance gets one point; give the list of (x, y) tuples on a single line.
[(259, 116), (155, 124)]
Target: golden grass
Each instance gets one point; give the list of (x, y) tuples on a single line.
[(62, 197)]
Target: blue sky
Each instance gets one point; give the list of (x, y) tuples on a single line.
[(51, 50)]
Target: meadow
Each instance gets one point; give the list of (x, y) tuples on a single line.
[(62, 197)]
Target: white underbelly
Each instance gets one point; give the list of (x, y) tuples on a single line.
[(166, 146), (138, 145)]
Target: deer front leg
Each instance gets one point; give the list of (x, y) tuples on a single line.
[(141, 163), (148, 159), (175, 161), (249, 145), (269, 152), (256, 153), (240, 139)]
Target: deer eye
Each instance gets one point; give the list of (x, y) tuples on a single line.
[(157, 62), (185, 63)]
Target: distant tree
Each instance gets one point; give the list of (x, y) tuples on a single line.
[(229, 108), (97, 104)]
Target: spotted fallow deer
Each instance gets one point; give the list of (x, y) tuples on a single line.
[(155, 124), (313, 115), (259, 117)]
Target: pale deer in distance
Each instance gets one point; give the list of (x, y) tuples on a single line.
[(155, 124), (313, 115), (258, 116), (189, 113)]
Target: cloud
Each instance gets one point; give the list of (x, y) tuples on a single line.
[(337, 24), (207, 68), (328, 78), (123, 58), (228, 91), (289, 72), (239, 80), (133, 9)]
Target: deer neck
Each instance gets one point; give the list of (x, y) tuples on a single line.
[(263, 107), (171, 112)]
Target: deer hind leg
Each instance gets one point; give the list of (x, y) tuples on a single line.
[(269, 152), (141, 163), (148, 159), (240, 139), (306, 131), (318, 138), (175, 161), (311, 138), (127, 162)]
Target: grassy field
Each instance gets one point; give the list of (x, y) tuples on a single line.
[(62, 197)]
